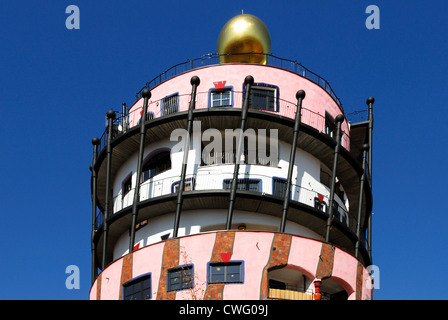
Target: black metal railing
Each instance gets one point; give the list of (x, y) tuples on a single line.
[(213, 58)]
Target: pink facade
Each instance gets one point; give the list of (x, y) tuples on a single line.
[(314, 107), (253, 249), (264, 264)]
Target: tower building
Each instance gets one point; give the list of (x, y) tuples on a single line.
[(236, 175)]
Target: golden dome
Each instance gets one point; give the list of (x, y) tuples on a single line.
[(244, 38)]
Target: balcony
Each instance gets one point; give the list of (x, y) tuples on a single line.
[(288, 295), (207, 180), (158, 109)]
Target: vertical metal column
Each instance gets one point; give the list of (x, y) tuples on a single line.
[(339, 120), (248, 81), (195, 81), (95, 142), (123, 117), (370, 102), (300, 95), (365, 148), (110, 120), (146, 94)]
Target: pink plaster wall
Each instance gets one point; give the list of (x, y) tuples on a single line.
[(251, 247), (145, 261), (304, 253), (254, 249), (344, 271), (110, 281), (316, 102), (196, 250)]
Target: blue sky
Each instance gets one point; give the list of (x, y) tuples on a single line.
[(57, 84)]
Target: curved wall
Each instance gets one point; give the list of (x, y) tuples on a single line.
[(315, 105), (260, 252)]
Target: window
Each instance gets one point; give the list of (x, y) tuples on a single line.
[(330, 126), (157, 164), (264, 97), (319, 204), (221, 98), (188, 185), (138, 288), (244, 184), (231, 272), (180, 278), (278, 187), (149, 116), (127, 184), (170, 104)]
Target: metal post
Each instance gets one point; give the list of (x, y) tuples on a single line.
[(370, 102), (248, 81), (146, 94), (95, 142), (123, 118), (339, 120), (195, 81), (110, 120), (300, 95), (365, 148)]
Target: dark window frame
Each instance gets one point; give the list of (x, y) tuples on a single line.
[(138, 281), (126, 185), (173, 104), (276, 183), (264, 87), (186, 281), (226, 275), (174, 184), (243, 181), (155, 157), (213, 91)]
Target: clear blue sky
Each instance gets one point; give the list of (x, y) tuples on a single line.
[(57, 84)]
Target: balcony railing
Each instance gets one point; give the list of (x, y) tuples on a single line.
[(289, 294), (206, 180), (124, 122), (213, 58)]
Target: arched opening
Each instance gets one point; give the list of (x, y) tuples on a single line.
[(289, 283), (156, 164), (333, 290)]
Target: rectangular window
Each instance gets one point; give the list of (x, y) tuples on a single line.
[(170, 104), (221, 98), (127, 185), (180, 278), (138, 289), (279, 187), (231, 272), (188, 185), (330, 126), (244, 184), (263, 97)]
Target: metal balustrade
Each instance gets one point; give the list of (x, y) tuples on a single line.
[(213, 59), (207, 180), (285, 108)]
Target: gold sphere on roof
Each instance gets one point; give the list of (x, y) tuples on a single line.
[(244, 39)]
